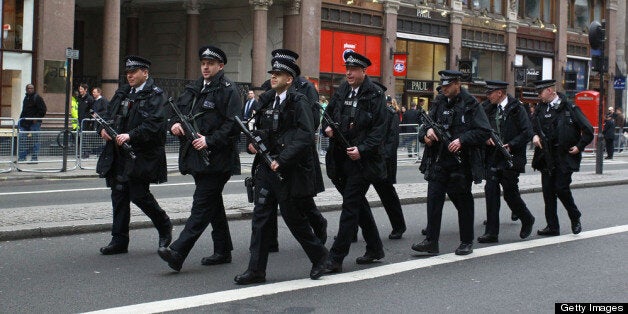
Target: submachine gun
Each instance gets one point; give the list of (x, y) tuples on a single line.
[(442, 134), (341, 139), (546, 151), (190, 132), (500, 147), (112, 133), (259, 146)]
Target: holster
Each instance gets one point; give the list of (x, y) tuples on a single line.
[(250, 193)]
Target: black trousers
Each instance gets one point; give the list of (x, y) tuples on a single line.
[(355, 211), (313, 215), (267, 198), (610, 147), (390, 200), (122, 194), (207, 208), (458, 188), (556, 187), (509, 181)]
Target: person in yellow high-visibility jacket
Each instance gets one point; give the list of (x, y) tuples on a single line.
[(74, 111)]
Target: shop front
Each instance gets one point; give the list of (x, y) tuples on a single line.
[(534, 61), (16, 54), (333, 46), (423, 40)]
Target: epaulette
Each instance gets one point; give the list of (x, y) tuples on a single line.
[(157, 90), (227, 84), (391, 109)]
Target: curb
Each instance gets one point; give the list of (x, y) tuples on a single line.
[(79, 227)]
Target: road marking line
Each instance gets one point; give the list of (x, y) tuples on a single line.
[(102, 188), (374, 272)]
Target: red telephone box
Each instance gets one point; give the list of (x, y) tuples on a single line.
[(589, 102)]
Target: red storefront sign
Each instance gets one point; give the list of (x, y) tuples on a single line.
[(400, 64), (335, 44)]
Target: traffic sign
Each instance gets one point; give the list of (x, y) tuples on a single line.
[(71, 53), (619, 82)]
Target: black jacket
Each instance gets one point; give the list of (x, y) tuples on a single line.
[(101, 105), (290, 143), (213, 111), (146, 125), (411, 116), (366, 130), (515, 130), (469, 123), (391, 143), (85, 104), (609, 129), (566, 126), (33, 106)]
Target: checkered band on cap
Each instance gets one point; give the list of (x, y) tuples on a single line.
[(285, 65), (285, 54), (209, 54), (541, 85), (351, 59)]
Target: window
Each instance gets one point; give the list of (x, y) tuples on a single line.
[(487, 65), (424, 59), (581, 14), (492, 6), (542, 9), (12, 24)]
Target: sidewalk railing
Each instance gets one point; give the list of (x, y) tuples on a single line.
[(85, 146), (7, 144)]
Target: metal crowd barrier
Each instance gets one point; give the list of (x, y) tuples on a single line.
[(45, 148), (7, 144)]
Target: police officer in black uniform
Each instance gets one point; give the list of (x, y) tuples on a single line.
[(385, 188), (213, 102), (359, 107), (568, 132), (451, 169), (511, 123), (284, 123), (138, 111), (314, 216)]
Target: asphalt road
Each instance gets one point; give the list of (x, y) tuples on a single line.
[(89, 190), (67, 274)]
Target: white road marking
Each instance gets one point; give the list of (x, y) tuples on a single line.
[(374, 272), (101, 188)]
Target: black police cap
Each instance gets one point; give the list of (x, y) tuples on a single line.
[(355, 59), (212, 53), (286, 54), (131, 63), (286, 66), (449, 76), (495, 85), (543, 84)]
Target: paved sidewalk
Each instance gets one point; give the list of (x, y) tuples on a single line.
[(44, 221)]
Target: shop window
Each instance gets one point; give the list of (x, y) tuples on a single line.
[(486, 65)]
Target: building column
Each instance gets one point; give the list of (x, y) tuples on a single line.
[(310, 38), (260, 28), (132, 30), (560, 43), (191, 39), (611, 50), (511, 42), (292, 26), (621, 49), (391, 8), (111, 47), (455, 42)]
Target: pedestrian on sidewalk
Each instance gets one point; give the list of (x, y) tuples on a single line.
[(285, 123), (567, 132), (359, 108), (609, 135), (511, 124), (213, 103), (452, 165), (33, 107), (138, 111)]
